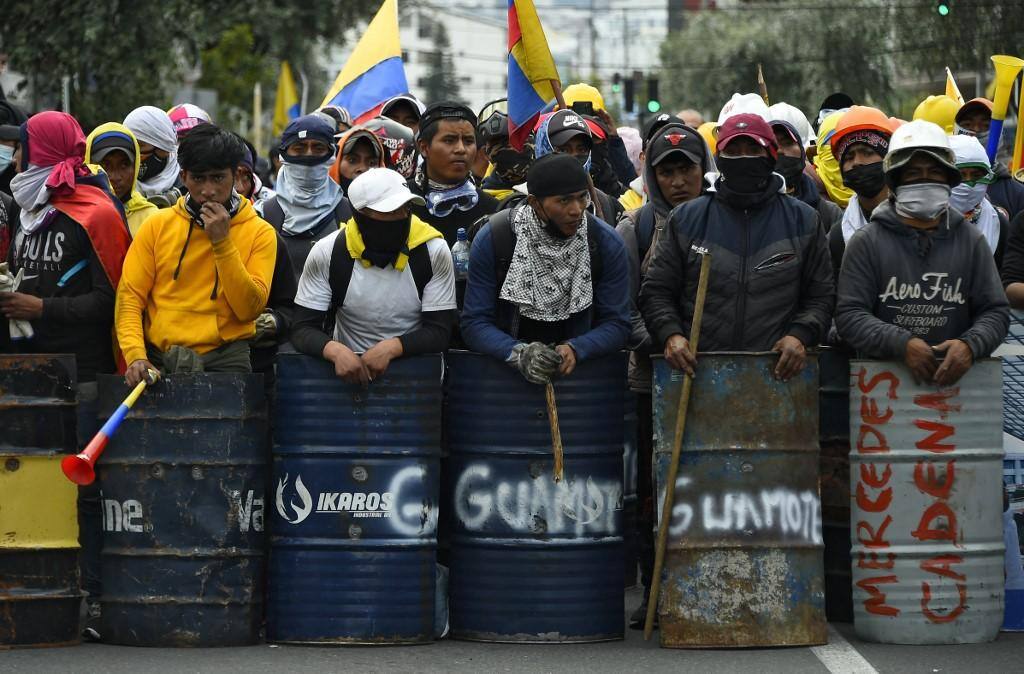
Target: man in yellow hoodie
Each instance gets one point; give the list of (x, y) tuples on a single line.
[(386, 281), (197, 274), (114, 147)]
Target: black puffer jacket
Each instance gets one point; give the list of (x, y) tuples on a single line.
[(1006, 192), (770, 276)]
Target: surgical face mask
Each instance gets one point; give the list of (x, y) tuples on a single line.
[(922, 201), (152, 166), (966, 198), (867, 180), (6, 157), (306, 180)]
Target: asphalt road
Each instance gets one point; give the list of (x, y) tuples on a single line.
[(844, 655)]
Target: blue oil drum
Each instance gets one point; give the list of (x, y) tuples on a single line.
[(40, 593), (834, 481), (533, 560), (355, 488), (743, 563), (183, 493), (630, 504)]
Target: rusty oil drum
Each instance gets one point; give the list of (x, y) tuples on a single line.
[(834, 476), (183, 501), (926, 475), (743, 565), (355, 496), (40, 591), (533, 561)]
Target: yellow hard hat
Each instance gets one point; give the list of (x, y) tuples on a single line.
[(939, 110), (707, 132), (583, 92)]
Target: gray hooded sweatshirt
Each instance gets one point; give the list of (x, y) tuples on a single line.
[(897, 283)]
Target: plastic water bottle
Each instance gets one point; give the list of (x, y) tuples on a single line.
[(460, 255)]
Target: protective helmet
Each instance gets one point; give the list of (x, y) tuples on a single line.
[(740, 103), (924, 137), (858, 118), (939, 110), (399, 144), (583, 93), (186, 117), (707, 132), (787, 113)]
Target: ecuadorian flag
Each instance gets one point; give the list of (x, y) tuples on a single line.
[(286, 104), (531, 70), (374, 71)]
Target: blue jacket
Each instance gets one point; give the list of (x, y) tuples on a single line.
[(601, 329)]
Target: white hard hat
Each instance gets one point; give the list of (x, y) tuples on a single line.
[(920, 136), (749, 103), (784, 112)]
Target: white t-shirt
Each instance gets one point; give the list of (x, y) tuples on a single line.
[(380, 303)]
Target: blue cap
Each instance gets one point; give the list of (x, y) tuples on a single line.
[(308, 127)]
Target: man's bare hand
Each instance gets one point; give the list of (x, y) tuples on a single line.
[(921, 361), (792, 357), (678, 354), (958, 360), (380, 355), (347, 364), (216, 220)]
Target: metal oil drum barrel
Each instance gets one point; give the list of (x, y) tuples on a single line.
[(743, 565), (183, 502), (40, 592), (355, 489), (630, 512), (834, 478), (533, 560), (927, 526)]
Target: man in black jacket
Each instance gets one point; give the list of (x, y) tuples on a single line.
[(916, 281), (1013, 264), (771, 285)]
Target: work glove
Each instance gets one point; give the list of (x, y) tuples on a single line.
[(266, 329), (537, 362)]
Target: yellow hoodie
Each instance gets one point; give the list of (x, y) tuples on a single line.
[(177, 287), (136, 208)]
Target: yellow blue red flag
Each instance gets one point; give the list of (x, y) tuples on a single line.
[(531, 70), (374, 71), (286, 103)]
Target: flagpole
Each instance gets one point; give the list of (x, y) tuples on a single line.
[(556, 86)]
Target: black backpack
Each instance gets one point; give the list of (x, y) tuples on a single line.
[(340, 273), (274, 214), (644, 230)]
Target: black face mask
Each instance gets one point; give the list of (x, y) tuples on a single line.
[(866, 180), (152, 166), (384, 239), (790, 168), (512, 166), (746, 175), (195, 209)]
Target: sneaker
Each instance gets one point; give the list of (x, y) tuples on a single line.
[(637, 618)]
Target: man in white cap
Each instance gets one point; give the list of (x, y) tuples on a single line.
[(387, 279)]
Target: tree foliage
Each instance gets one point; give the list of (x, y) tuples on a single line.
[(122, 54), (888, 54)]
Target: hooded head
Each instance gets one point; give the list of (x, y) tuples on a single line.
[(975, 173), (113, 147), (158, 149), (784, 112), (675, 162), (359, 150), (54, 141), (792, 155), (827, 165), (186, 117)]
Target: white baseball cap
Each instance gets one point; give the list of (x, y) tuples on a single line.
[(381, 189)]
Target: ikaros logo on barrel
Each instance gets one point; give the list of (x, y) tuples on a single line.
[(301, 512)]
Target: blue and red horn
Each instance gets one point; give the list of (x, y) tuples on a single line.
[(80, 468)]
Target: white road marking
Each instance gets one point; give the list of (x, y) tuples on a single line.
[(839, 657)]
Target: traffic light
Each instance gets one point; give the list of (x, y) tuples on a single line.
[(653, 100), (944, 7), (629, 95), (616, 83)]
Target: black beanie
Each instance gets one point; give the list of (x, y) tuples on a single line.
[(556, 174)]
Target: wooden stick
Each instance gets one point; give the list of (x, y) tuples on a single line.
[(556, 433), (556, 86), (762, 85), (673, 466)]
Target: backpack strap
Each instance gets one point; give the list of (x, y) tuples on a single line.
[(596, 265), (339, 276), (504, 242), (422, 269), (273, 213), (645, 230)]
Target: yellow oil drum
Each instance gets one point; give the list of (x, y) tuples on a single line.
[(39, 580)]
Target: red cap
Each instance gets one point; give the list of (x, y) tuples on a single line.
[(750, 125)]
